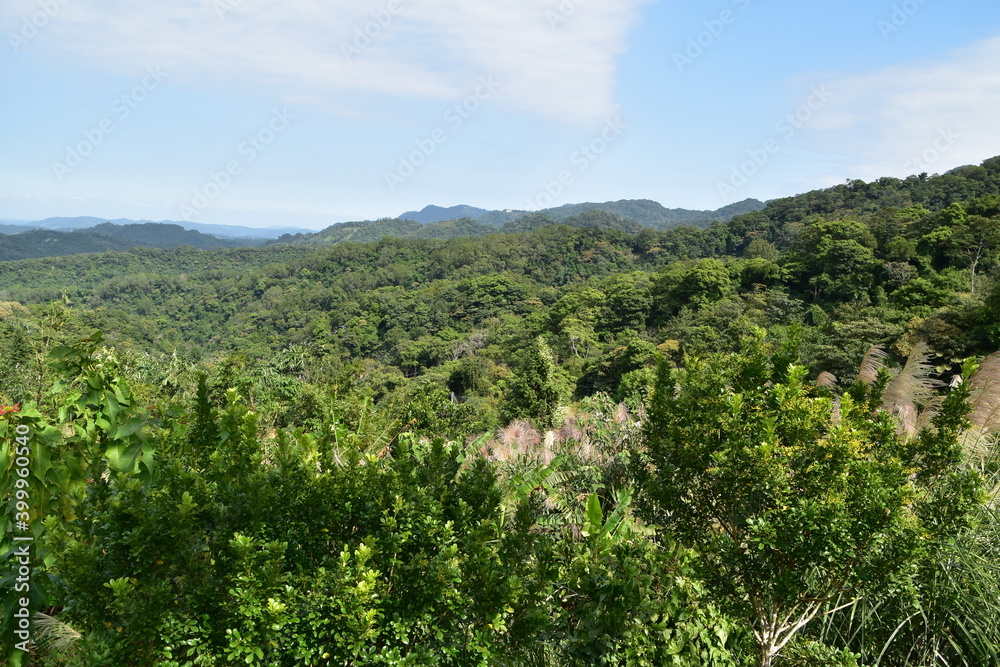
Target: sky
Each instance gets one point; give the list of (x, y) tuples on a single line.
[(311, 112)]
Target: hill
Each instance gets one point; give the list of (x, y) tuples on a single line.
[(6, 228), (433, 213), (625, 215), (652, 214), (104, 237), (227, 231), (593, 219), (646, 212), (356, 232)]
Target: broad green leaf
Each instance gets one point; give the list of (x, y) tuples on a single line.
[(595, 517), (127, 428), (123, 457)]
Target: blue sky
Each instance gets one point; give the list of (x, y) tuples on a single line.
[(306, 113)]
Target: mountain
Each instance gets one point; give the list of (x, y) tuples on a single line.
[(228, 231), (370, 231), (7, 228), (646, 212), (433, 213), (628, 215), (592, 219), (161, 235), (106, 236), (727, 213), (649, 213), (500, 218), (241, 232), (80, 222), (356, 232)]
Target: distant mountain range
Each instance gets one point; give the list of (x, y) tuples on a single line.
[(22, 239), (86, 222), (108, 236), (646, 212), (627, 215)]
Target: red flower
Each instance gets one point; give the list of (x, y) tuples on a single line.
[(7, 409)]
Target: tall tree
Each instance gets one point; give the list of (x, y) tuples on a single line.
[(537, 390)]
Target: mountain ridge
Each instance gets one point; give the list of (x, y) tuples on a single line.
[(625, 214), (59, 223), (37, 243), (432, 213), (646, 212)]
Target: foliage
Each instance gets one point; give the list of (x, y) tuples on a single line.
[(790, 499), (420, 450)]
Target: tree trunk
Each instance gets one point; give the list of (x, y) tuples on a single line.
[(972, 281), (766, 641)]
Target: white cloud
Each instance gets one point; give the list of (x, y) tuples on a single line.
[(432, 49), (920, 116)]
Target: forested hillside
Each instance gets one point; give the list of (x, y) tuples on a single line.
[(107, 236), (432, 213), (652, 214), (435, 223), (766, 441)]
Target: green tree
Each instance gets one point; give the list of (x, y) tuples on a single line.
[(761, 249), (838, 258), (975, 243), (708, 281), (537, 390), (627, 303), (793, 498)]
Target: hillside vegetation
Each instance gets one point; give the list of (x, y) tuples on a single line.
[(107, 236), (768, 441)]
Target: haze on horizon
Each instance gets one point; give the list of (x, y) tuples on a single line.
[(298, 114)]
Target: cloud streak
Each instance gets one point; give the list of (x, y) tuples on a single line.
[(890, 121), (431, 49)]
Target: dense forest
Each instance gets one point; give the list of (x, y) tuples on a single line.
[(584, 441)]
